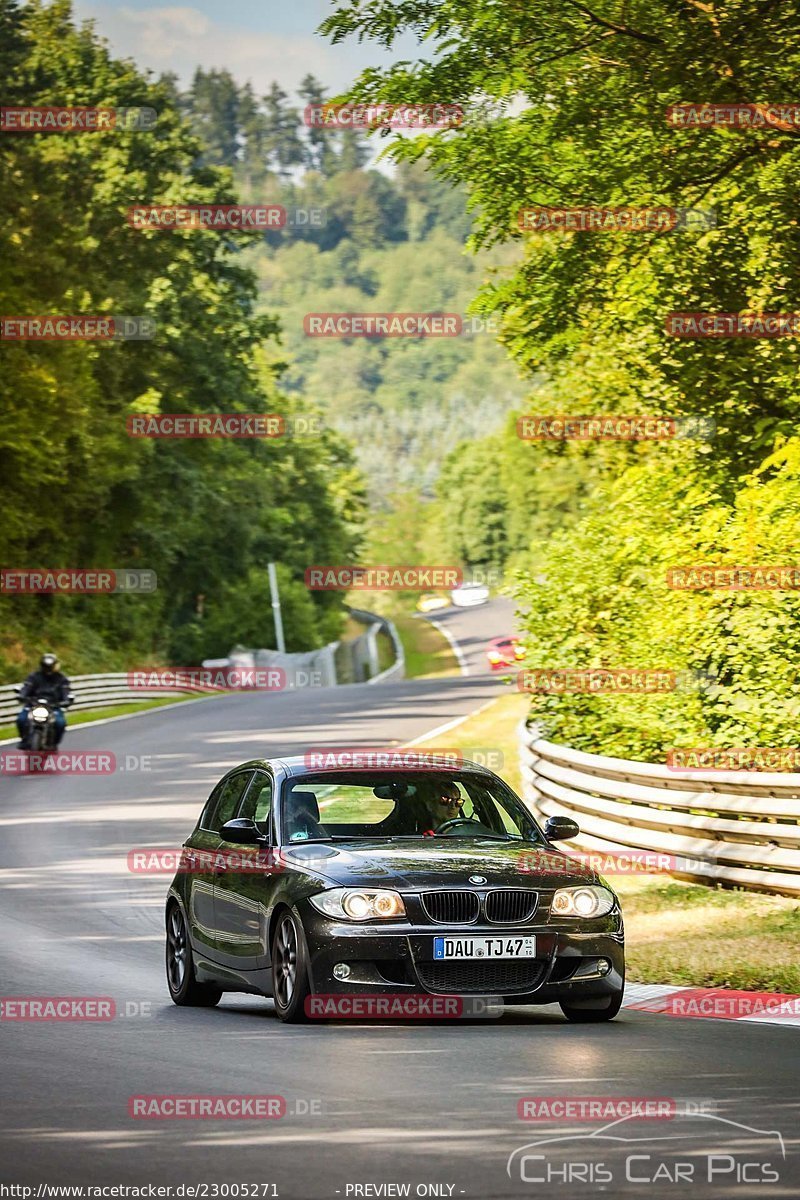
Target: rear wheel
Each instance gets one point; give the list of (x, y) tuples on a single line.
[(183, 986), (587, 1011), (290, 975)]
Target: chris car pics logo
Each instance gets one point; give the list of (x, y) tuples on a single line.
[(684, 1153)]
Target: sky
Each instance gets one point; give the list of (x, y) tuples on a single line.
[(257, 40)]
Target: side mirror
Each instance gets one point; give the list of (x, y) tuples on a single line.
[(242, 831), (560, 829)]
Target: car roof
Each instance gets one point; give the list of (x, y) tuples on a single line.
[(297, 766)]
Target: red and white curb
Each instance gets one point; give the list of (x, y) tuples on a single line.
[(721, 1004)]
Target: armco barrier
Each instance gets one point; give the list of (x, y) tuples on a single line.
[(739, 828), (92, 691), (375, 627), (314, 668)]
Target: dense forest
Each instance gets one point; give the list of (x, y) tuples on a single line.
[(564, 108), (567, 106), (207, 516), (371, 242)]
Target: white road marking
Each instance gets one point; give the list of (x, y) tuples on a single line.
[(459, 653)]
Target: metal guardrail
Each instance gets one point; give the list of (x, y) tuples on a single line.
[(353, 661), (739, 828), (94, 691), (369, 640), (315, 668)]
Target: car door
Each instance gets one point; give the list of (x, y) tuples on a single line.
[(203, 861), (242, 899), (199, 887)]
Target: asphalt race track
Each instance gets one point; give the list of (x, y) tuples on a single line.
[(430, 1105)]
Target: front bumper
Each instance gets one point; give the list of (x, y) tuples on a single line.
[(399, 959)]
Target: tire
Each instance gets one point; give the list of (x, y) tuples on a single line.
[(181, 981), (580, 1013), (35, 739), (290, 974)]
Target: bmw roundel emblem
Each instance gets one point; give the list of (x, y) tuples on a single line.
[(477, 879)]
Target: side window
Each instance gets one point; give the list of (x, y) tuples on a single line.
[(257, 804), (210, 806), (231, 794)]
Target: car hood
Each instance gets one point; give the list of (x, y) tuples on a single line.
[(441, 862)]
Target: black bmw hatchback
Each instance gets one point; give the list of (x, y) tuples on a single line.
[(302, 881)]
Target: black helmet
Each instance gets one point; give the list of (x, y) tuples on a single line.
[(49, 664)]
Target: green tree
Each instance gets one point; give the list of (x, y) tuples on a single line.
[(78, 490)]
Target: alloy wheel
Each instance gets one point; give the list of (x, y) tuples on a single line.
[(286, 961)]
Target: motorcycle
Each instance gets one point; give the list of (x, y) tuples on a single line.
[(41, 720)]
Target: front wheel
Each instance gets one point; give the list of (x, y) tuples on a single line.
[(588, 1011), (35, 738), (181, 981), (290, 986)]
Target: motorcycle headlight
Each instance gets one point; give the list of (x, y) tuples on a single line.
[(594, 901), (358, 904), (39, 713)]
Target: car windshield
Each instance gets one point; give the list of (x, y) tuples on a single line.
[(354, 805)]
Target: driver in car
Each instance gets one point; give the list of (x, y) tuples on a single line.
[(443, 805)]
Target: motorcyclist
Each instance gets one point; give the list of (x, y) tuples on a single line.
[(45, 684)]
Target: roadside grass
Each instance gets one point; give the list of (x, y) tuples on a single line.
[(110, 710), (676, 932), (428, 653), (685, 933)]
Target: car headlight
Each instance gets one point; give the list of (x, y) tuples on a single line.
[(358, 904), (592, 901), (39, 713)]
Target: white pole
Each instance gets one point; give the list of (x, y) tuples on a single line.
[(276, 607)]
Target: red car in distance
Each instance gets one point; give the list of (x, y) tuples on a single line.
[(504, 652)]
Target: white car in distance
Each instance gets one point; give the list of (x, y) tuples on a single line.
[(469, 594)]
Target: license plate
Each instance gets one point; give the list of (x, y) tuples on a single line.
[(484, 947)]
